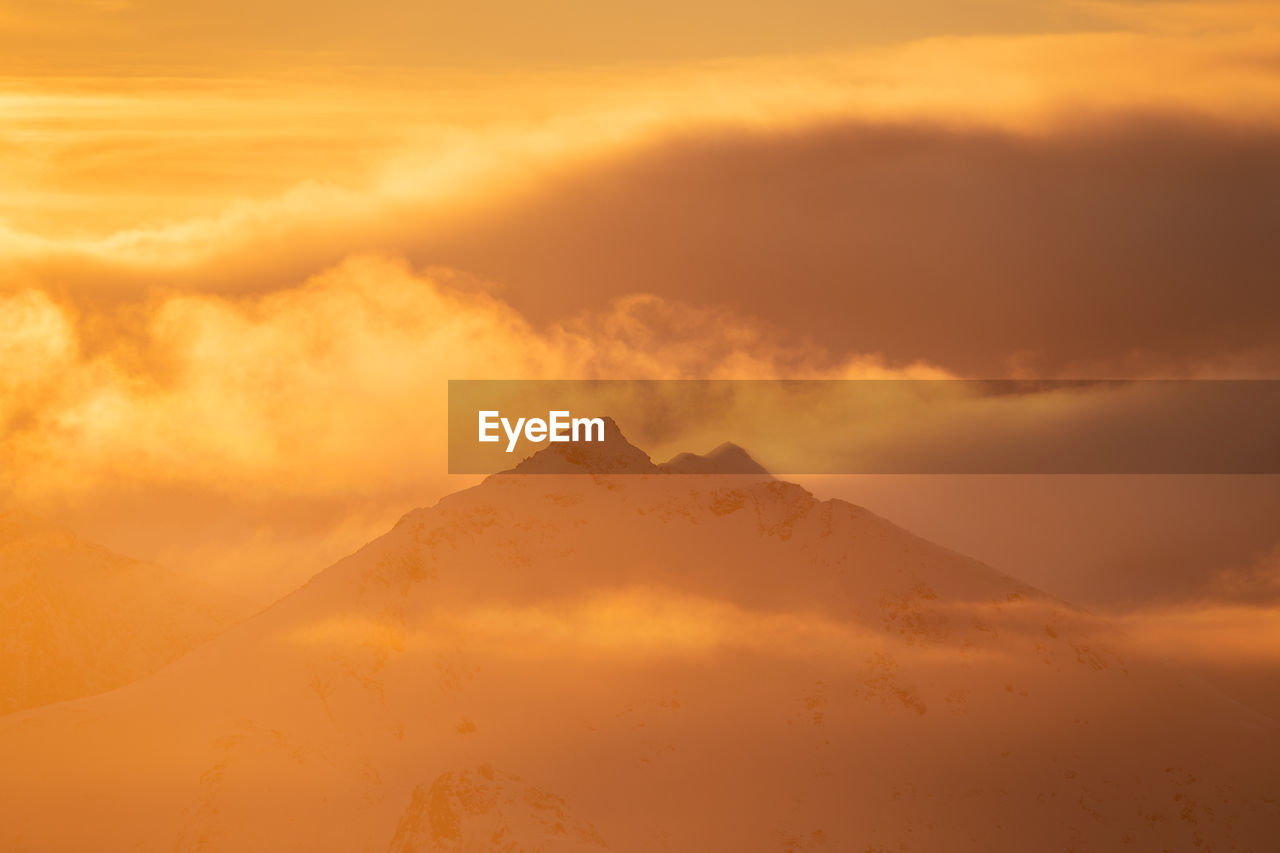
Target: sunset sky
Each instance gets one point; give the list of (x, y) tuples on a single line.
[(243, 245)]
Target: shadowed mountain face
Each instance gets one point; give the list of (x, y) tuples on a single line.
[(78, 619), (649, 662), (613, 455), (728, 458), (616, 455)]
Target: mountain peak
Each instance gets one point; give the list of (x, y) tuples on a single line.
[(728, 458), (617, 455), (614, 455)]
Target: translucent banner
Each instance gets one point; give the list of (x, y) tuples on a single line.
[(870, 426)]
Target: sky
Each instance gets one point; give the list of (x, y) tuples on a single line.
[(243, 246)]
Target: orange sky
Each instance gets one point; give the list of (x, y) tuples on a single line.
[(218, 219), (244, 246), (123, 115)]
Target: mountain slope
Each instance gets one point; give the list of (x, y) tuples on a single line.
[(648, 662), (78, 619)]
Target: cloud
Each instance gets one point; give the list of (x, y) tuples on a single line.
[(1127, 247), (37, 344), (349, 367), (988, 205), (316, 412), (1256, 583), (615, 623), (274, 432), (1224, 634), (1109, 247), (158, 38), (1112, 543)]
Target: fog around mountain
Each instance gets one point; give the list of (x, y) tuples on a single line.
[(642, 662), (247, 247), (78, 619)]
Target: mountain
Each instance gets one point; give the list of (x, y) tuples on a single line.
[(78, 619), (616, 455), (648, 662), (728, 458), (613, 455)]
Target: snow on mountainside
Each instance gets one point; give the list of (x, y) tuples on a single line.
[(654, 662), (78, 619)]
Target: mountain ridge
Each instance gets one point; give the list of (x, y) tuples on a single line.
[(616, 455), (81, 619), (696, 662)]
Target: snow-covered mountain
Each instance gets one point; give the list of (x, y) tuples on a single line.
[(643, 661)]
